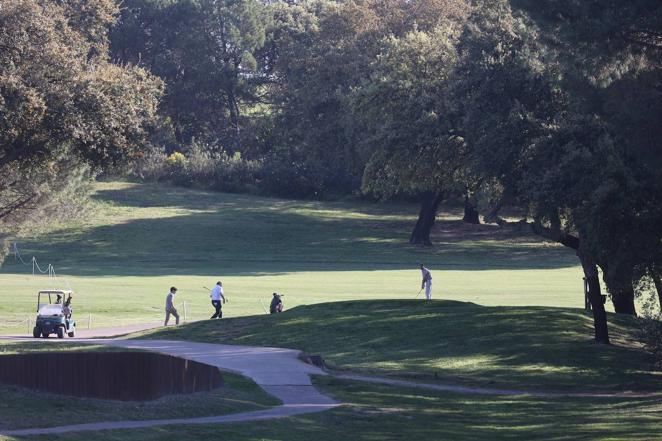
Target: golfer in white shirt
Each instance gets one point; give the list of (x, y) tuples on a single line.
[(216, 297), (427, 282)]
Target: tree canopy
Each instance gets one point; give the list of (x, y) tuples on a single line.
[(64, 107)]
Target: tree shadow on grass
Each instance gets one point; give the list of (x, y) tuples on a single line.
[(245, 235), (538, 347)]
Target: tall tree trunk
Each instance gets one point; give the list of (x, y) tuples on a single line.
[(470, 212), (426, 217), (595, 296), (591, 277), (234, 119), (618, 277), (657, 280)]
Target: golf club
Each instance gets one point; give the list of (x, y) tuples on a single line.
[(225, 297), (419, 293), (265, 309)]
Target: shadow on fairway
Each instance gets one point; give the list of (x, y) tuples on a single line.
[(247, 235), (539, 347)]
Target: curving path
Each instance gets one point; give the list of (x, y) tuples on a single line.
[(477, 390), (278, 371)]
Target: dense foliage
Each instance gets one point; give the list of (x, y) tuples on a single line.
[(65, 110)]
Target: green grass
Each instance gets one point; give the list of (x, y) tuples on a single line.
[(15, 347), (534, 347), (521, 329), (24, 408), (141, 239), (380, 413)]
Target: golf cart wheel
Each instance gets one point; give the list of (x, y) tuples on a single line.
[(60, 332), (72, 333), (36, 332)]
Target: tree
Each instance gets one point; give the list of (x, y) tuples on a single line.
[(610, 54), (63, 106), (521, 132), (415, 148), (542, 128), (209, 53), (325, 52)]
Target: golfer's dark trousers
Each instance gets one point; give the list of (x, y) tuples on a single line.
[(217, 305)]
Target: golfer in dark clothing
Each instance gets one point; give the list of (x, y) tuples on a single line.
[(276, 304)]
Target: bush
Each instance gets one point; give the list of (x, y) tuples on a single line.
[(178, 171), (200, 168), (150, 167), (283, 175), (289, 176), (291, 179)]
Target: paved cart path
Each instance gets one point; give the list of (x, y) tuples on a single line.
[(278, 371)]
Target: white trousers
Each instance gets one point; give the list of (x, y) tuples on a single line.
[(428, 289)]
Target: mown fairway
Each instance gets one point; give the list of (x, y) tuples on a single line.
[(141, 239)]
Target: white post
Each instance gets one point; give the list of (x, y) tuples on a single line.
[(33, 262)]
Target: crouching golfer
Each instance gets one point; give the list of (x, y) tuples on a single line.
[(427, 282), (216, 297), (276, 306), (170, 306)]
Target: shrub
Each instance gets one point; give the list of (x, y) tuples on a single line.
[(200, 168), (291, 176), (204, 167), (150, 167)]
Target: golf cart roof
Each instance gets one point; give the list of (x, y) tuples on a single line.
[(56, 291)]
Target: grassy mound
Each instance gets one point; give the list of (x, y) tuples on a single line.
[(539, 347)]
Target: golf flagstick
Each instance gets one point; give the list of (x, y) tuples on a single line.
[(265, 309)]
